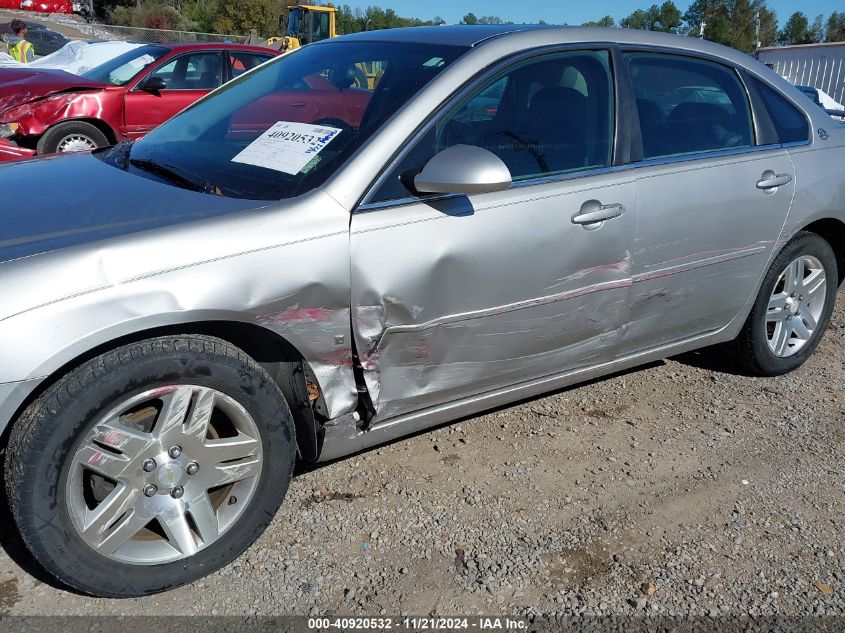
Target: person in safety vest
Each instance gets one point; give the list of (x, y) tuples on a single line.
[(20, 50)]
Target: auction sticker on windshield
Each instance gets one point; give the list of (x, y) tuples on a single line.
[(287, 147)]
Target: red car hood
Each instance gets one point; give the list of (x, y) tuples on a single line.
[(19, 86)]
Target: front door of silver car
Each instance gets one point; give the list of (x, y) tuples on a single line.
[(454, 295), (712, 199)]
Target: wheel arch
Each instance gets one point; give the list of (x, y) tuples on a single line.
[(832, 231), (285, 364)]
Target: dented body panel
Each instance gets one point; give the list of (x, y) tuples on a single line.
[(467, 295), (160, 256), (103, 104), (440, 306)]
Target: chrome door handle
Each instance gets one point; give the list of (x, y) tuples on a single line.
[(773, 181), (593, 213)]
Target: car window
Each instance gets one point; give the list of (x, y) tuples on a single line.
[(551, 115), (688, 105), (242, 61), (789, 121), (194, 71)]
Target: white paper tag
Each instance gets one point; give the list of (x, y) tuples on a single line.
[(287, 147)]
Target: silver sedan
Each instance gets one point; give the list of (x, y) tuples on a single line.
[(376, 234)]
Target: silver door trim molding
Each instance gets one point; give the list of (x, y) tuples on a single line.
[(512, 307), (720, 153)]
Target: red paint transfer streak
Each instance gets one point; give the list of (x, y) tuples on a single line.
[(339, 358), (294, 315)]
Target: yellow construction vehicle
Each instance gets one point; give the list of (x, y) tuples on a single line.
[(306, 23)]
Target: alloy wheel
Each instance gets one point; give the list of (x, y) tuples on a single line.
[(796, 306), (164, 474)]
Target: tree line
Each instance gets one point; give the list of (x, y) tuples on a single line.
[(234, 17), (740, 24)]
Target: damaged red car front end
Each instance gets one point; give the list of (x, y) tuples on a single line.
[(32, 101), (52, 111), (10, 151)]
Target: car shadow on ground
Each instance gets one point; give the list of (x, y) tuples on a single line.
[(716, 359)]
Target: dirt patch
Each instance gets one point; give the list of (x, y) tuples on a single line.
[(9, 595), (348, 497)]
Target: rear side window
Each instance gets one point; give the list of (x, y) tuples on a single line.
[(688, 106), (790, 123), (242, 61)]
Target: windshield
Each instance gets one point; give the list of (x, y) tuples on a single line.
[(285, 128), (123, 68)]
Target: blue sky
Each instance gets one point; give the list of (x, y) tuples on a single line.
[(563, 11)]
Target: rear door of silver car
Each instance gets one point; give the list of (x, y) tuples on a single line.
[(714, 189), (458, 295)]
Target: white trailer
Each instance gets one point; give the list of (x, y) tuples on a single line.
[(821, 66)]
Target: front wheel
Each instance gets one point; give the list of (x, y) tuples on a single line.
[(793, 309), (150, 466), (71, 136)]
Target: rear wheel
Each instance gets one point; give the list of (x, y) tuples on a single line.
[(150, 466), (792, 310), (72, 136)]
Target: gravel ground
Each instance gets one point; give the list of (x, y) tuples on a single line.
[(677, 489)]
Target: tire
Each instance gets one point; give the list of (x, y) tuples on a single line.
[(73, 426), (52, 139), (764, 350)]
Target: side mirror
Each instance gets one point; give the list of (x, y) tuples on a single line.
[(153, 84), (463, 169)]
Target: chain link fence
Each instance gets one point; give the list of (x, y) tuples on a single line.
[(134, 34)]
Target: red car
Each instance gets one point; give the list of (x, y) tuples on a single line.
[(53, 111), (42, 6), (50, 111)]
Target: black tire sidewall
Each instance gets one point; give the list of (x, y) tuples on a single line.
[(50, 533), (49, 141), (805, 244)]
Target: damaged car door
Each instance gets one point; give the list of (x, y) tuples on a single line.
[(456, 294)]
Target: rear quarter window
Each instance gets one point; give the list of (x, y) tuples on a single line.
[(790, 123)]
